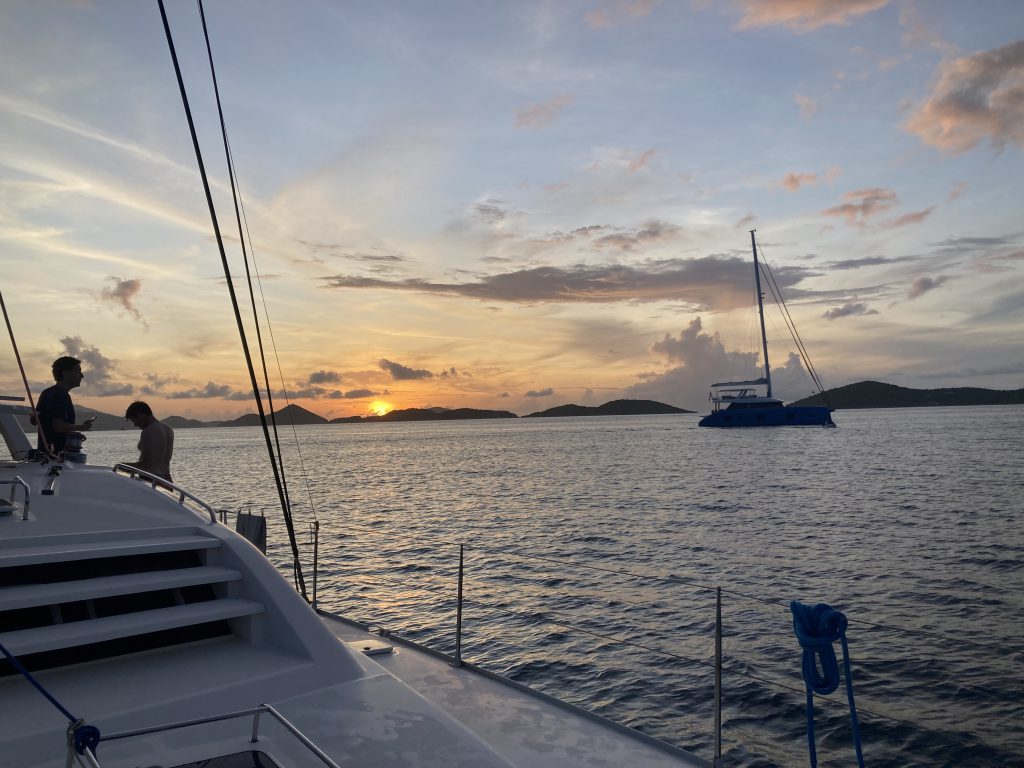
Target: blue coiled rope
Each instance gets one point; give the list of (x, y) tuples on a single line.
[(80, 734), (816, 628)]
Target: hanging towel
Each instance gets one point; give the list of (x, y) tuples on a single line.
[(254, 528)]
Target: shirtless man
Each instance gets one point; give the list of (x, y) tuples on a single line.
[(156, 443)]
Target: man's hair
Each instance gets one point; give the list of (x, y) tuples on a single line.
[(138, 408), (62, 364)]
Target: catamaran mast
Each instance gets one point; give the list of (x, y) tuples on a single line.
[(760, 312)]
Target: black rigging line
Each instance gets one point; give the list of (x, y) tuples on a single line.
[(235, 196), (788, 318), (231, 291)]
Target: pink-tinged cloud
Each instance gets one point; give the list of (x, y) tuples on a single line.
[(975, 98), (922, 285), (793, 181), (619, 12), (804, 15), (957, 190), (746, 221), (915, 217), (862, 204), (640, 161), (808, 105), (542, 115), (123, 293)]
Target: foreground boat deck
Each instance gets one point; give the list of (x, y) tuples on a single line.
[(499, 712)]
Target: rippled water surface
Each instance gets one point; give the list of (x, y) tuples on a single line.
[(593, 547)]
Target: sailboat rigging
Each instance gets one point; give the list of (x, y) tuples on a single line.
[(740, 403)]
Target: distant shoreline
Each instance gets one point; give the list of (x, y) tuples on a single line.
[(862, 395)]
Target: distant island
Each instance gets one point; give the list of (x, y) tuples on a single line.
[(613, 408), (863, 394), (428, 414), (875, 394)]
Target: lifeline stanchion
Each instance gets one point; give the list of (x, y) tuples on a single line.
[(458, 612), (816, 628), (718, 677)]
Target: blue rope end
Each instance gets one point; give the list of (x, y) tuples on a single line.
[(86, 736)]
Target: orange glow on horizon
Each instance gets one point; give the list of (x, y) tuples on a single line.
[(379, 407)]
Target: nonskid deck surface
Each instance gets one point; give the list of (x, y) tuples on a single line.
[(522, 728)]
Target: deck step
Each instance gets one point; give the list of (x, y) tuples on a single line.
[(30, 595), (91, 550), (26, 641)]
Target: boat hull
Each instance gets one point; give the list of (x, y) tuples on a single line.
[(789, 416)]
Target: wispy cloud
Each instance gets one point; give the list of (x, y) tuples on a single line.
[(849, 309), (804, 15), (923, 285), (123, 293), (714, 282), (793, 181), (615, 13), (976, 98), (808, 105), (546, 392), (863, 204), (915, 217), (537, 116), (869, 261)]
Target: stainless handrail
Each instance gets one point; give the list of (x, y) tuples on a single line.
[(156, 481), (254, 739), (14, 487)]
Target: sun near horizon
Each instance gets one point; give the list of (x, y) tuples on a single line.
[(380, 407)]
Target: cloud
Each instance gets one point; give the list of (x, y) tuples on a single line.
[(357, 394), (976, 98), (958, 189), (123, 293), (488, 213), (324, 377), (862, 204), (619, 12), (537, 116), (849, 309), (804, 15), (746, 221), (401, 372), (923, 285), (793, 181), (713, 282), (546, 392), (869, 261), (808, 105), (99, 370), (916, 217), (701, 359), (211, 390), (651, 232)]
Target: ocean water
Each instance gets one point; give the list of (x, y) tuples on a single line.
[(593, 548)]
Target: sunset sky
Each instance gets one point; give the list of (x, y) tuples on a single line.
[(513, 205)]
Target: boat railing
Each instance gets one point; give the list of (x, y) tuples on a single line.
[(482, 596), (160, 483), (15, 484), (88, 757)]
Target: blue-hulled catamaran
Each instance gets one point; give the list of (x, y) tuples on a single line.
[(741, 403)]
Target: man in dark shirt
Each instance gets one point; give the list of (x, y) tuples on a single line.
[(55, 413)]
